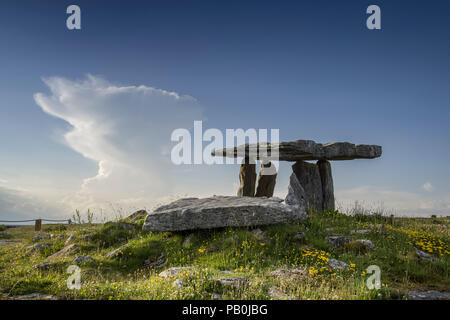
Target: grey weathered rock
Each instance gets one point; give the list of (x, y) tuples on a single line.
[(127, 226), (178, 283), (337, 241), (69, 239), (43, 266), (221, 211), (425, 256), (359, 231), (158, 263), (296, 194), (235, 282), (366, 243), (247, 178), (66, 250), (289, 273), (41, 236), (138, 215), (116, 253), (90, 272), (266, 182), (81, 259), (428, 295), (217, 296), (302, 150), (337, 265), (259, 235), (276, 294), (39, 246), (9, 241), (299, 236), (176, 271), (32, 296), (309, 177), (327, 184)]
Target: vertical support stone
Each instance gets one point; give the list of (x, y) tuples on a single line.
[(266, 182), (247, 178), (309, 177), (327, 184), (296, 194)]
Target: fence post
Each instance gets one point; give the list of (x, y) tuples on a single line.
[(37, 225)]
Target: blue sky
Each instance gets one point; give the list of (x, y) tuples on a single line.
[(310, 68)]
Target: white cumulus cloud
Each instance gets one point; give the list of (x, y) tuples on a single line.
[(126, 130)]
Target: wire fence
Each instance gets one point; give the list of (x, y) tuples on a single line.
[(31, 220), (37, 222)]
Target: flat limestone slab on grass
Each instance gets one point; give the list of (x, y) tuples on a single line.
[(66, 250), (221, 211)]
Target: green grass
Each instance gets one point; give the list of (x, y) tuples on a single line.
[(237, 251)]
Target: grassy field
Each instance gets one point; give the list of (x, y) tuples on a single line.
[(234, 252)]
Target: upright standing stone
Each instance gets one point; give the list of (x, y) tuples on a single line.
[(266, 182), (309, 177), (247, 177), (327, 184), (296, 194)]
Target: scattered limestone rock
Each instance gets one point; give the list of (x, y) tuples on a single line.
[(329, 229), (366, 243), (116, 253), (300, 236), (175, 272), (359, 231), (158, 263), (66, 250), (425, 256), (337, 241), (138, 215), (32, 296), (41, 236), (43, 266), (259, 235), (428, 295), (10, 241), (277, 294), (69, 239), (235, 282), (337, 265), (89, 272), (217, 296), (81, 259), (127, 226), (178, 283), (289, 273), (39, 246)]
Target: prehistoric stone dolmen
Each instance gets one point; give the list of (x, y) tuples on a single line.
[(311, 182)]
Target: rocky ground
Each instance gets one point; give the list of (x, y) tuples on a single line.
[(323, 257)]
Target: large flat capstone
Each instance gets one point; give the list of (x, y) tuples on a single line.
[(302, 150), (221, 211)]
